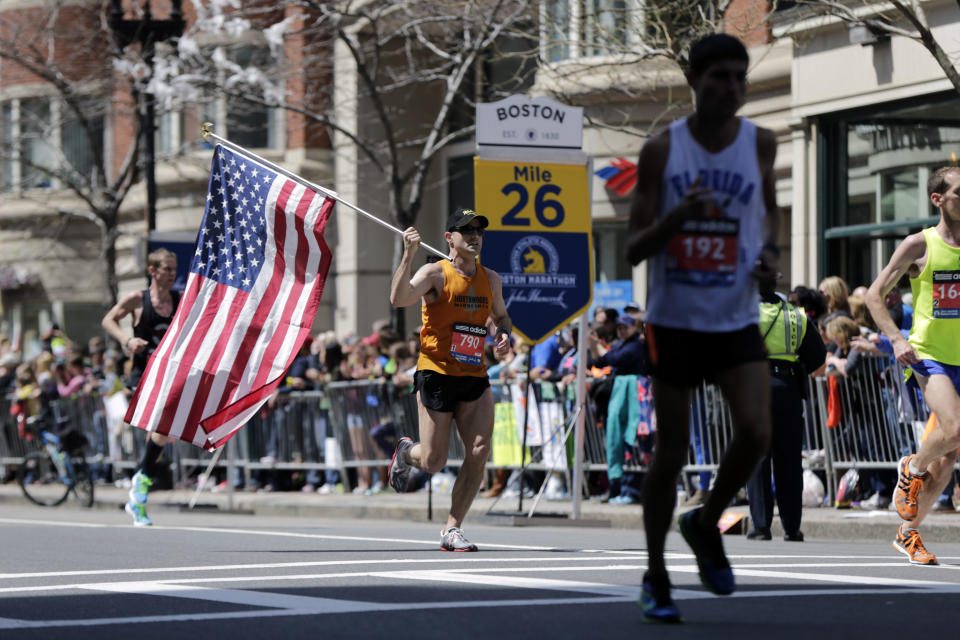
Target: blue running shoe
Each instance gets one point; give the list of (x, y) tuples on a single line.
[(715, 572), (656, 602), (140, 485), (139, 513)]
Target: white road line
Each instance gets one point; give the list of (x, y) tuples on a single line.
[(273, 604), (431, 542), (249, 598), (817, 577), (8, 623), (681, 594), (457, 559), (435, 542), (259, 579), (514, 582), (829, 565), (469, 575)]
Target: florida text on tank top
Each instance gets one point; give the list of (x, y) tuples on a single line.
[(455, 324), (151, 328), (702, 281), (935, 334)]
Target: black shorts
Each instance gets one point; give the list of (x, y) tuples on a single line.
[(684, 358), (442, 393)]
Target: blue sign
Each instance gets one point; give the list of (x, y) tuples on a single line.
[(181, 244), (545, 283), (613, 293)]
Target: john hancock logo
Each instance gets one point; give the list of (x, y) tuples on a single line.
[(534, 277)]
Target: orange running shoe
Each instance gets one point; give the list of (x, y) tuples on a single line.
[(909, 486), (911, 545)]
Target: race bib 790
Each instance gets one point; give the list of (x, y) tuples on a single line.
[(466, 343)]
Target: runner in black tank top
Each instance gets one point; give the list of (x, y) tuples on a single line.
[(152, 310), (151, 328)]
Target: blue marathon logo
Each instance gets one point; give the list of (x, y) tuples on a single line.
[(534, 276)]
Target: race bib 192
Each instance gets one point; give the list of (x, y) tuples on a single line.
[(704, 253)]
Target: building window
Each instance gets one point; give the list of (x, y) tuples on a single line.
[(82, 148), (7, 162), (572, 29), (584, 28), (609, 247), (242, 120), (874, 169), (169, 133), (604, 27), (36, 143), (44, 138)]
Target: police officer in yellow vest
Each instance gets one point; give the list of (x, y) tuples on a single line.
[(794, 350)]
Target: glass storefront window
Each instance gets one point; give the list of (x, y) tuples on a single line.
[(874, 173), (899, 195), (609, 246)]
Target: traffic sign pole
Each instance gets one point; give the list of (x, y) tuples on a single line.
[(532, 182)]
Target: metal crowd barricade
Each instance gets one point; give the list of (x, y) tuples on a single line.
[(871, 417), (367, 417), (867, 420)]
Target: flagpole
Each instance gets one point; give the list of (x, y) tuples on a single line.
[(206, 132)]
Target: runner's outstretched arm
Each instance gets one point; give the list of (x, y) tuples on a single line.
[(647, 234), (404, 289), (911, 251)]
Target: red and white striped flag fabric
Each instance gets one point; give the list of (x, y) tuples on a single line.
[(253, 290)]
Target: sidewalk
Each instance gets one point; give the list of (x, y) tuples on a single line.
[(824, 523)]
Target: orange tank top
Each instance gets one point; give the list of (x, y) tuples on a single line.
[(454, 325)]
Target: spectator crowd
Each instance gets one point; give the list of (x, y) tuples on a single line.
[(97, 371)]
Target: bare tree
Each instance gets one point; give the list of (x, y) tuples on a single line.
[(627, 55), (906, 18), (457, 51), (400, 51), (57, 164), (447, 54)]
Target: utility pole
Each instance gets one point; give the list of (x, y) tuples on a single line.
[(147, 32)]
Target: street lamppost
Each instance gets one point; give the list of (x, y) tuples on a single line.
[(148, 32)]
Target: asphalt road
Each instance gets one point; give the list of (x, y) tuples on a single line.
[(70, 573)]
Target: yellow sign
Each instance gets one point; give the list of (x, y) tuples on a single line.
[(533, 196), (505, 443), (539, 240)]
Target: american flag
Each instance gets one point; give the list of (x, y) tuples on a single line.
[(251, 296)]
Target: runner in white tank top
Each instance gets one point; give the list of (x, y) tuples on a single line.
[(703, 280), (705, 216)]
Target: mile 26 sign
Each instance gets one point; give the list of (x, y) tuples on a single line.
[(538, 204)]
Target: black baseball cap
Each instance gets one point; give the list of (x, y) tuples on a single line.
[(462, 217)]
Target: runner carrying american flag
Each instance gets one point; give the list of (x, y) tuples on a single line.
[(251, 296)]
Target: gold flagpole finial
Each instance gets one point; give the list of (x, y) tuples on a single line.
[(205, 130)]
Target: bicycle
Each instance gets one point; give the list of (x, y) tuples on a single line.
[(56, 466)]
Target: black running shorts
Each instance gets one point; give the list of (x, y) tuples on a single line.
[(442, 393), (684, 358)]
